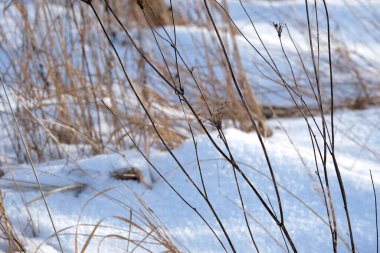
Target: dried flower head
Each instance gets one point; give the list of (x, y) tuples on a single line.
[(217, 117), (278, 27)]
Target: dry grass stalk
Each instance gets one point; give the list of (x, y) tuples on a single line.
[(8, 231)]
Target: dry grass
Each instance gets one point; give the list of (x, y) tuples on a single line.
[(66, 58), (7, 231), (63, 67)]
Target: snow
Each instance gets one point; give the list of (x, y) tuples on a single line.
[(67, 207)]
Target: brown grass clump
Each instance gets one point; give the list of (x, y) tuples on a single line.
[(7, 230), (65, 67)]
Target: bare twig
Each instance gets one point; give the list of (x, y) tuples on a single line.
[(377, 227)]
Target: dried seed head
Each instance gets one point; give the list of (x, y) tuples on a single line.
[(217, 117), (278, 27)]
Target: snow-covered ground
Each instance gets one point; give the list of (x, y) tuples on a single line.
[(357, 142)]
